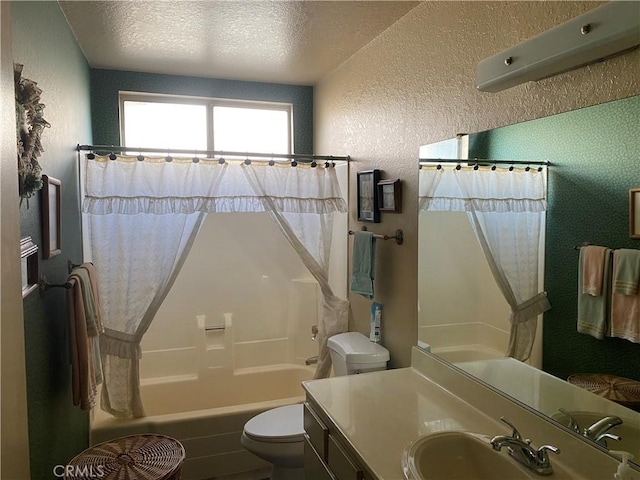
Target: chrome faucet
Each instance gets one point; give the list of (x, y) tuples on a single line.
[(523, 452), (311, 360), (599, 431)]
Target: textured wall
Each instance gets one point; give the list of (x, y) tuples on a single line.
[(596, 160), (413, 85), (13, 417), (43, 42), (105, 85)]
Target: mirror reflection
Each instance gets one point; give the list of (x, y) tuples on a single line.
[(499, 298)]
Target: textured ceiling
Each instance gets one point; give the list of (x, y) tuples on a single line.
[(296, 42)]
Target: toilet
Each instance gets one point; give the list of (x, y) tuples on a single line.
[(277, 435)]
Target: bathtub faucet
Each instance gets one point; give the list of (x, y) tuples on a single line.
[(314, 332), (311, 360)]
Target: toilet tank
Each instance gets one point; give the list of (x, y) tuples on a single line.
[(352, 353)]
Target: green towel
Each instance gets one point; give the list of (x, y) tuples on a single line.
[(627, 275), (593, 311), (364, 264)]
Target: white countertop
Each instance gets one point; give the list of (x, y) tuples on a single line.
[(380, 413)]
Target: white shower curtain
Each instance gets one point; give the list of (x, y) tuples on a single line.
[(142, 217), (507, 212)]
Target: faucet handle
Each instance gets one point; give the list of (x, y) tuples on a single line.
[(542, 452), (514, 431)]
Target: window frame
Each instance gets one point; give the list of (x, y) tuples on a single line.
[(209, 103)]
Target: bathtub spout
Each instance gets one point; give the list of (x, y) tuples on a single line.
[(311, 360)]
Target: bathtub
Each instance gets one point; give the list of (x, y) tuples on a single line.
[(207, 414), (467, 353)]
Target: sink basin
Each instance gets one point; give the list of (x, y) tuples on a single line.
[(629, 431), (457, 455)]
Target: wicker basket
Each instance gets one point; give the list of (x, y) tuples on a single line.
[(136, 457), (618, 389)]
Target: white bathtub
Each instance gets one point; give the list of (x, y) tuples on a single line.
[(467, 353), (207, 414)]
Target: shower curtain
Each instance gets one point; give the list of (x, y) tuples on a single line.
[(142, 218), (506, 208)]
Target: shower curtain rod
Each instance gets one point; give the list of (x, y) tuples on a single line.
[(480, 161), (168, 151)]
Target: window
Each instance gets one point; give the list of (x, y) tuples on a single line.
[(205, 124)]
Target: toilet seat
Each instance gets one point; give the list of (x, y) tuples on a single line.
[(279, 425)]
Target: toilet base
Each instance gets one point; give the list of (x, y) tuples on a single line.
[(283, 473)]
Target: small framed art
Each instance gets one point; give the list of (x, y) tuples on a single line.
[(634, 213), (368, 210), (29, 265), (390, 196), (51, 234)]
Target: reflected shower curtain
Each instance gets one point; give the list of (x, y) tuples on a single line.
[(507, 211), (142, 218)]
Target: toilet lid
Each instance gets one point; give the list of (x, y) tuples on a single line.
[(282, 424)]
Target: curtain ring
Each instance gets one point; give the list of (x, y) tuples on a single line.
[(540, 168), (91, 155), (458, 167), (195, 159), (476, 166), (221, 160), (527, 168), (511, 168), (439, 167), (247, 161), (294, 163), (493, 167), (140, 158), (326, 164), (314, 164), (272, 162), (168, 159), (112, 156)]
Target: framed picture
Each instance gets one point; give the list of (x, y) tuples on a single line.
[(51, 234), (634, 213), (29, 265), (390, 196), (367, 196)]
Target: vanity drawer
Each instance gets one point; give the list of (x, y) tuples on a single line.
[(341, 464), (314, 468), (317, 432)]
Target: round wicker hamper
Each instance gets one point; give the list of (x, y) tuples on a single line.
[(618, 389), (136, 457)]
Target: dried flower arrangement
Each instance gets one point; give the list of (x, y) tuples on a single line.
[(29, 125)]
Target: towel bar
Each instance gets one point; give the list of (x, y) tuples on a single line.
[(214, 327), (44, 285), (398, 237)]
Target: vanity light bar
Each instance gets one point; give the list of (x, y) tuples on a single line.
[(597, 35)]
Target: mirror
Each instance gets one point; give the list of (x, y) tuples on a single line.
[(463, 317)]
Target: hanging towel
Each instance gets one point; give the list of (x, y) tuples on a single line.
[(625, 308), (364, 264), (593, 310), (84, 388), (593, 269), (627, 271)]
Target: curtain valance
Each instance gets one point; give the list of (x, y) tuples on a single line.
[(128, 186), (483, 190)]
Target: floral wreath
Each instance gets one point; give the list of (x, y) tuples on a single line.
[(29, 126)]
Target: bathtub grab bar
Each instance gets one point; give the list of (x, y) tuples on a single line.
[(214, 327)]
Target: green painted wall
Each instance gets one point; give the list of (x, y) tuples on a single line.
[(105, 85), (595, 153), (43, 42)]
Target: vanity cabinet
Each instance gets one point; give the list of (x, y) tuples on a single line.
[(327, 455)]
